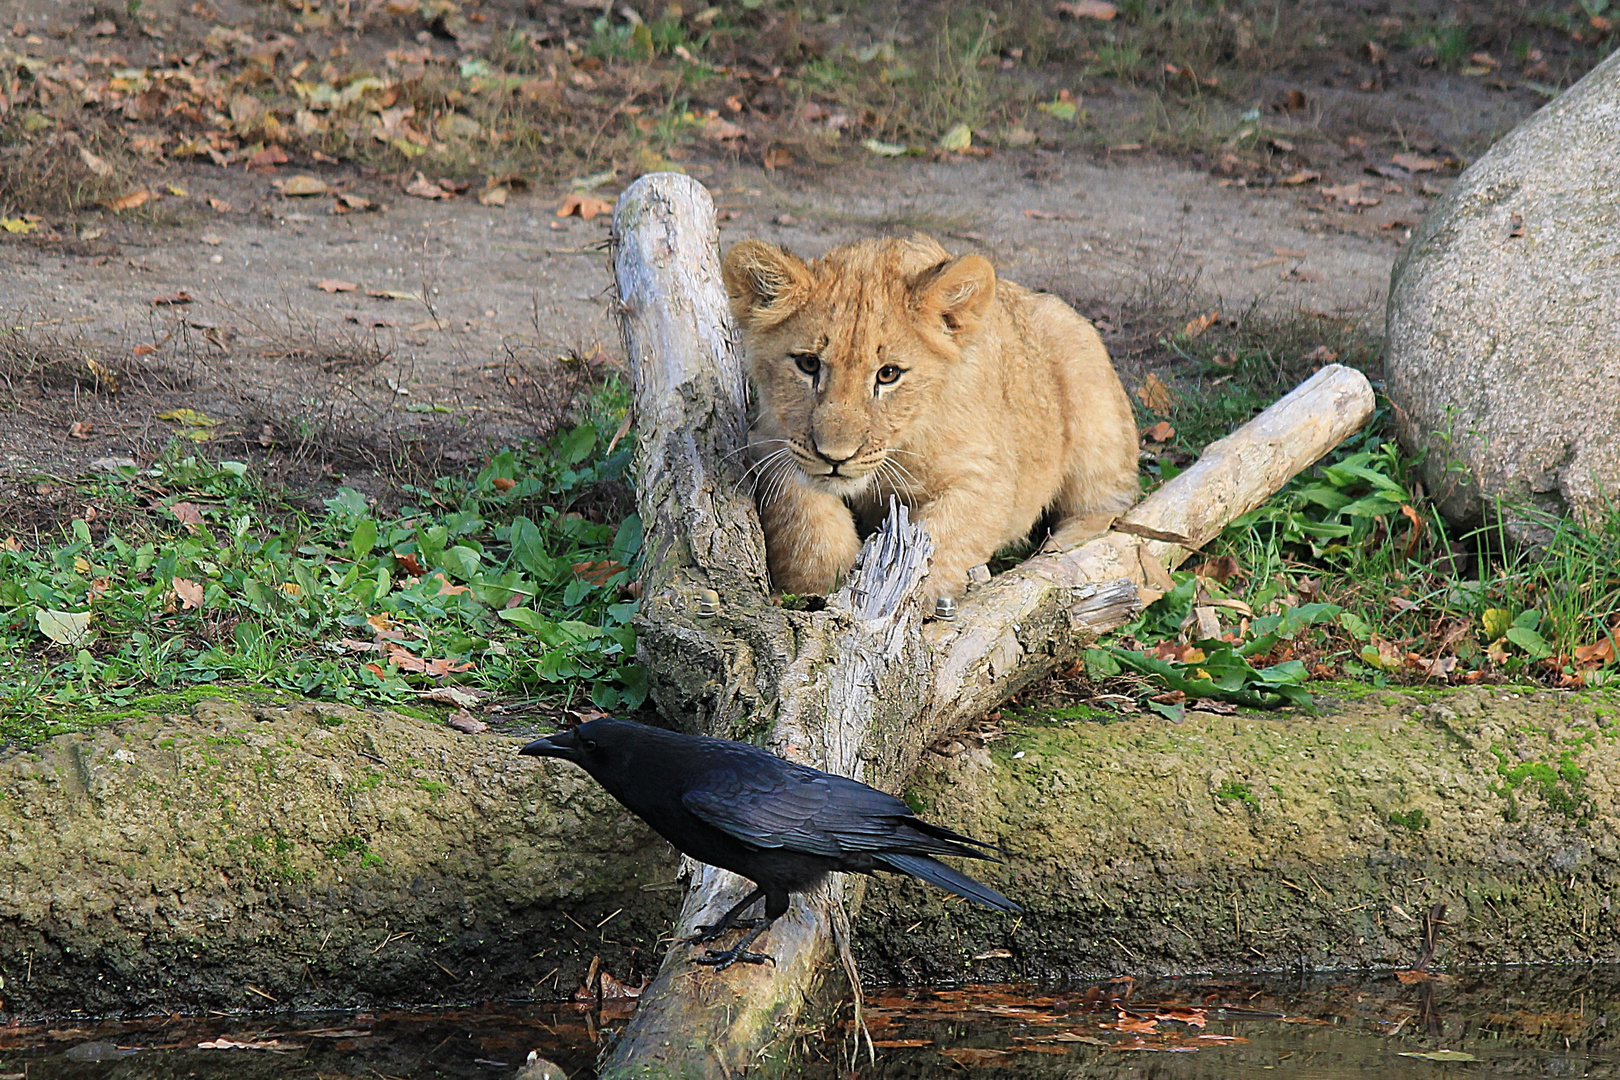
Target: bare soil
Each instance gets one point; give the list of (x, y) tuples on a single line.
[(508, 314)]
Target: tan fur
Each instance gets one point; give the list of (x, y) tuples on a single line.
[(1005, 405)]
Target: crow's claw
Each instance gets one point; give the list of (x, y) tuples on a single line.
[(707, 934), (722, 959)]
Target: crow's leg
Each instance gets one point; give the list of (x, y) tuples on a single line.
[(776, 905), (729, 921), (720, 959)]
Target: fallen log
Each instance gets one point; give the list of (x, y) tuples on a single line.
[(865, 685)]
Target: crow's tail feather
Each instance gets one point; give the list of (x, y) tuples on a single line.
[(935, 872), (955, 842)]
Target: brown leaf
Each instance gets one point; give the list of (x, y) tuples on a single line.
[(1304, 176), (139, 197), (1160, 432), (1351, 195), (188, 515), (79, 429), (447, 589), (501, 483), (172, 300), (719, 129), (586, 206), (1293, 101), (464, 721), (1154, 395), (409, 562), (1596, 654), (1221, 569), (1416, 162), (1086, 9), (777, 158), (1407, 978), (423, 188), (495, 196), (1199, 325), (599, 571), (346, 202), (975, 1056), (300, 187), (220, 206), (189, 592), (268, 158), (612, 989), (332, 285), (1322, 355)]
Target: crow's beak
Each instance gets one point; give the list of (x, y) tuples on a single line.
[(558, 746)]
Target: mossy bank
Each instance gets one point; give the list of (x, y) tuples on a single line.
[(268, 856), (262, 856), (1278, 841)]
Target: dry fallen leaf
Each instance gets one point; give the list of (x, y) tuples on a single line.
[(1304, 176), (464, 721), (130, 201), (331, 285), (1160, 432), (94, 163), (586, 206), (79, 429), (719, 129), (188, 515), (1086, 9), (1416, 162), (345, 202), (495, 196), (189, 592), (1154, 395), (269, 157), (301, 186), (1199, 325), (1351, 195), (1596, 654), (219, 206), (423, 188), (174, 299)]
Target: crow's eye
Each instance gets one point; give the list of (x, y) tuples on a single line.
[(808, 362), (589, 745), (888, 375)]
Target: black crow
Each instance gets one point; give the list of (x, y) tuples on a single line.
[(781, 825)]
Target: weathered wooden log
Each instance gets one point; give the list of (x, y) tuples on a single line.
[(863, 686)]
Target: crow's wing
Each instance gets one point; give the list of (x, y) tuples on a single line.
[(771, 803)]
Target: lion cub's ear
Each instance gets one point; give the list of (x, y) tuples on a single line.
[(957, 293), (766, 283)]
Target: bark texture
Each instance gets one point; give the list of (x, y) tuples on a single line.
[(862, 687)]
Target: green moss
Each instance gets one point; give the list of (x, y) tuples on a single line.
[(1414, 819), (1561, 787), (1236, 789)]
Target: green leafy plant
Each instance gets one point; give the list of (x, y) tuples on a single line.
[(513, 581)]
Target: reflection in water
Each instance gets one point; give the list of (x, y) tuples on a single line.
[(1492, 1022)]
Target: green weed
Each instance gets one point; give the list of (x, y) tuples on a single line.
[(513, 581)]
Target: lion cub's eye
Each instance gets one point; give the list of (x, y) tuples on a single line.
[(888, 375), (808, 362)]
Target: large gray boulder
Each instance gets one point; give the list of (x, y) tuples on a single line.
[(1504, 320)]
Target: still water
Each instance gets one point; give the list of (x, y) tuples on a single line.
[(1482, 1023)]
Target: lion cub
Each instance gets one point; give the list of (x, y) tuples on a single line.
[(888, 367)]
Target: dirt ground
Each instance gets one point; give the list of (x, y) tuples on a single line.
[(509, 307)]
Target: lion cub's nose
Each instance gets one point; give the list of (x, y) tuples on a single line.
[(834, 456)]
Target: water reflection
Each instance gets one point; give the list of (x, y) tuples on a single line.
[(1494, 1022)]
